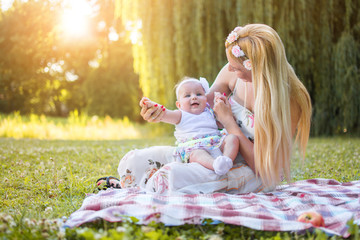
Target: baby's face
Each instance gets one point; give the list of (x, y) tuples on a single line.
[(191, 98)]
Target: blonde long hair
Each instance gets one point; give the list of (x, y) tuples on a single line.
[(275, 84)]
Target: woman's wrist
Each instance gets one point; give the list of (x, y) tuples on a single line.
[(228, 122), (232, 128)]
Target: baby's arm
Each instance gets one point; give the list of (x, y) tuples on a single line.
[(169, 116)]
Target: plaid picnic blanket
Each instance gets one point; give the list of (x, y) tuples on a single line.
[(276, 211)]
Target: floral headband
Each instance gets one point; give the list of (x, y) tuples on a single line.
[(236, 50)]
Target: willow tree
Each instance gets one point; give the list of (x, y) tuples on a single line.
[(186, 38)]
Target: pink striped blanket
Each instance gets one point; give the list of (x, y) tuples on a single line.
[(276, 211)]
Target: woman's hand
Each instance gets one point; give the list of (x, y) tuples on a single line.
[(151, 111), (222, 109)]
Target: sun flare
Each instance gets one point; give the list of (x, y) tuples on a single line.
[(75, 19)]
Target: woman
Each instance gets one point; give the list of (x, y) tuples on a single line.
[(268, 106)]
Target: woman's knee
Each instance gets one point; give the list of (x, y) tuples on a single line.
[(138, 165)]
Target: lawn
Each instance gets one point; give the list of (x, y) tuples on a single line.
[(44, 181)]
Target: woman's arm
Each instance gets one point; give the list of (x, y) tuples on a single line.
[(221, 84), (224, 115), (225, 83)]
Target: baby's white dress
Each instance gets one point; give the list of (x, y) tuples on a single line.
[(197, 131)]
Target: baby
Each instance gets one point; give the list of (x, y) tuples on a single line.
[(196, 130)]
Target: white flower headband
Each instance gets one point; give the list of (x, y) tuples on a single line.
[(236, 50), (205, 84)]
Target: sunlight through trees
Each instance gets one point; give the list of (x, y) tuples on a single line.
[(60, 55)]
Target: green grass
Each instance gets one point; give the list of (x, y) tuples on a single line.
[(43, 180), (75, 127)]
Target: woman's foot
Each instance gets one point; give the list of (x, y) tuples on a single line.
[(108, 182), (222, 164)]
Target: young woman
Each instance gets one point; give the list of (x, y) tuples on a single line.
[(266, 109)]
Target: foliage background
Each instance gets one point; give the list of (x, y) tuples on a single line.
[(172, 39), (321, 39), (36, 57)]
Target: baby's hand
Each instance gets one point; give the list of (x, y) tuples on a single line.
[(218, 97)]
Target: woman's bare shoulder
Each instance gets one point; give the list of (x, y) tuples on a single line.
[(225, 80)]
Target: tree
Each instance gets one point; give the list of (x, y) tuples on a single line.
[(45, 70), (187, 38), (113, 88), (25, 51)]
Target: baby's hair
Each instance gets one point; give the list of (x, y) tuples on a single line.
[(182, 82)]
